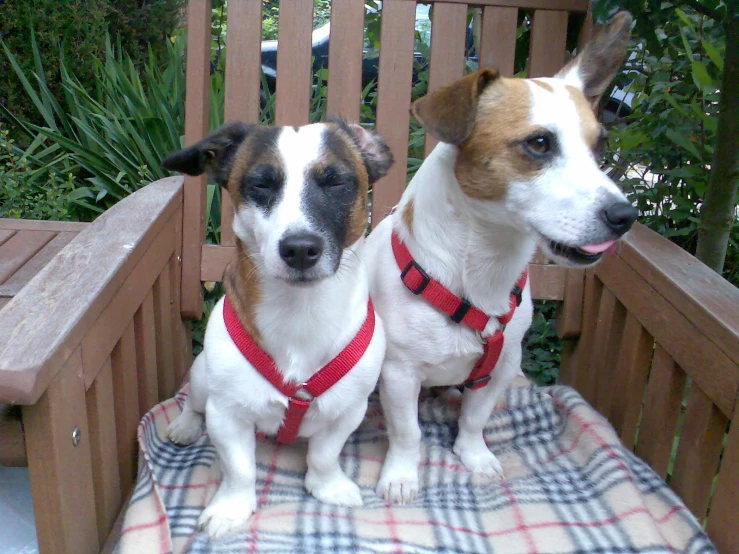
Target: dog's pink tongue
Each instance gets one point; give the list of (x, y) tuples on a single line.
[(608, 246)]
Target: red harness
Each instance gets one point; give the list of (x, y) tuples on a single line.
[(458, 309), (300, 396)]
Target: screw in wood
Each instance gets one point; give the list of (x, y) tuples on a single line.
[(76, 436)]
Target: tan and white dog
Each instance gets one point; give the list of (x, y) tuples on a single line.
[(299, 292), (517, 167)]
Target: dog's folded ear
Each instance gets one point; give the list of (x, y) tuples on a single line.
[(214, 154), (592, 70), (378, 158), (449, 112)]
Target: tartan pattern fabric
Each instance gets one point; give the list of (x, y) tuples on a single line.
[(570, 487)]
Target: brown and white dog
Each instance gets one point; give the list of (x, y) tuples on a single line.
[(517, 167), (300, 292)]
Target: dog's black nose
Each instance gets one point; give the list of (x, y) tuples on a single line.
[(301, 251), (620, 216)]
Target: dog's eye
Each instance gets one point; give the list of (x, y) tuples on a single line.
[(539, 144)]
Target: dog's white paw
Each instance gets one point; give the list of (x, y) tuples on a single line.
[(227, 514), (480, 461), (340, 490), (398, 484), (186, 428)]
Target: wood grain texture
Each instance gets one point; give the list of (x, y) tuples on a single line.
[(582, 376), (163, 326), (126, 401), (61, 473), (547, 46), (13, 450), (196, 127), (721, 525), (242, 86), (28, 271), (569, 5), (215, 259), (393, 99), (104, 450), (698, 452), (146, 355), (345, 60), (19, 249), (630, 377), (48, 318), (104, 334), (660, 412), (569, 318), (498, 39), (448, 27), (5, 235), (599, 349), (7, 224), (547, 281), (702, 296), (292, 102), (182, 344), (606, 372), (689, 345)]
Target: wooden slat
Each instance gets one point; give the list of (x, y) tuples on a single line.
[(687, 344), (498, 40), (182, 343), (20, 278), (705, 298), (630, 377), (37, 225), (547, 281), (581, 376), (103, 336), (19, 249), (606, 371), (661, 410), (446, 65), (5, 234), (163, 326), (393, 99), (698, 451), (146, 355), (569, 319), (569, 5), (49, 317), (243, 58), (126, 400), (13, 451), (196, 127), (721, 525), (215, 259), (104, 450), (586, 31), (548, 41), (61, 473), (345, 60), (599, 349), (292, 102)]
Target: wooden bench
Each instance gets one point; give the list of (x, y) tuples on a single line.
[(102, 332)]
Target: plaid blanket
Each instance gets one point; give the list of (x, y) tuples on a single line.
[(570, 487)]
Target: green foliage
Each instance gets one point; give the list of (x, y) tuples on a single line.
[(663, 151), (270, 16), (27, 193), (542, 349)]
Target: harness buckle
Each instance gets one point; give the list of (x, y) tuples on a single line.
[(425, 279), (461, 311), (477, 383), (517, 292), (303, 394)]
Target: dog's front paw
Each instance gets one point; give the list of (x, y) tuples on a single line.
[(398, 485), (186, 428), (340, 490), (227, 514), (480, 461)]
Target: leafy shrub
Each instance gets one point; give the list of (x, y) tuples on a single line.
[(27, 193)]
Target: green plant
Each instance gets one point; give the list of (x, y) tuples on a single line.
[(542, 349), (30, 193)]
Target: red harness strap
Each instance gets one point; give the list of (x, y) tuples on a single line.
[(458, 309), (300, 396)]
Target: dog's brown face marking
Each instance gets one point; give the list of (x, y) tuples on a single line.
[(542, 84), (407, 215), (592, 131), (241, 283), (492, 156)]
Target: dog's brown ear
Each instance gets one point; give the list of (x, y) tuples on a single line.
[(449, 113), (376, 154), (214, 154), (592, 70)]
